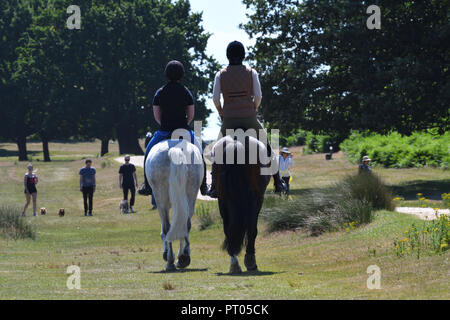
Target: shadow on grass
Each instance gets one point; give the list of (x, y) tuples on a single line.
[(14, 153), (430, 189), (181, 270), (249, 274)]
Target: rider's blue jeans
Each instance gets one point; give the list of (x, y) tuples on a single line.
[(160, 136)]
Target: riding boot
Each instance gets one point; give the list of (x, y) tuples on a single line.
[(145, 189), (204, 185), (212, 190)]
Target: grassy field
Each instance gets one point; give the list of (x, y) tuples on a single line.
[(121, 256)]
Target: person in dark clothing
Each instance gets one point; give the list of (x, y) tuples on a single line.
[(128, 181), (173, 108), (87, 186), (364, 167)]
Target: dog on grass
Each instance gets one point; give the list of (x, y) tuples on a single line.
[(43, 211), (61, 212), (123, 206)]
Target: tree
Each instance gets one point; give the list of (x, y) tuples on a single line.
[(98, 82), (322, 69), (130, 43), (15, 19)]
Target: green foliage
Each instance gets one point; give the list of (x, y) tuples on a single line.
[(323, 69), (349, 202), (321, 143), (95, 82), (207, 216), (396, 151), (297, 138), (446, 200), (430, 236), (13, 225)]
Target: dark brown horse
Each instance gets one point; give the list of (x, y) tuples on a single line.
[(241, 186)]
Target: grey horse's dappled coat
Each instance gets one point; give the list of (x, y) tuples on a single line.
[(174, 169)]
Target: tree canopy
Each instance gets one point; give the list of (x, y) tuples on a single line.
[(98, 81), (324, 70)]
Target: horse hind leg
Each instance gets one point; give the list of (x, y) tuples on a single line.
[(250, 259)]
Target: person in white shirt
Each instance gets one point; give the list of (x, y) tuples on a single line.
[(285, 163)]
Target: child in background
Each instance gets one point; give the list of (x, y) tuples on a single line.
[(30, 181)]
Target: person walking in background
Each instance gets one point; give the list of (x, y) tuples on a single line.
[(87, 186), (364, 167), (128, 181), (285, 163), (30, 181)]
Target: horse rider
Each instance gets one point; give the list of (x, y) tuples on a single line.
[(173, 108), (241, 91)]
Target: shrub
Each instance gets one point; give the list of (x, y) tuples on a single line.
[(206, 216), (446, 199), (430, 236), (368, 187), (396, 151), (349, 202), (13, 225)]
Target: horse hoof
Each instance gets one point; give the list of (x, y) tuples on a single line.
[(250, 262), (235, 269), (170, 267), (165, 256), (183, 261)]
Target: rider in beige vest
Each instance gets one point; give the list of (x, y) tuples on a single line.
[(241, 91)]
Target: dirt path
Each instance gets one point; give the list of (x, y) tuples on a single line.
[(139, 162), (423, 213), (12, 175)]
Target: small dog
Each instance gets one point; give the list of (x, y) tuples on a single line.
[(123, 206), (43, 211), (61, 212)]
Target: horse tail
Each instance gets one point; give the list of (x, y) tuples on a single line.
[(177, 195), (240, 209)]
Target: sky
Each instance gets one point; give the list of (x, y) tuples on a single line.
[(222, 19)]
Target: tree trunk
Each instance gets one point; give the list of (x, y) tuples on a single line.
[(128, 140), (22, 145), (105, 146), (45, 149)]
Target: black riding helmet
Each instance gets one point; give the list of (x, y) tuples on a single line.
[(174, 70), (235, 52)]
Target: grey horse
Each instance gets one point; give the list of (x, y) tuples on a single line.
[(174, 170)]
